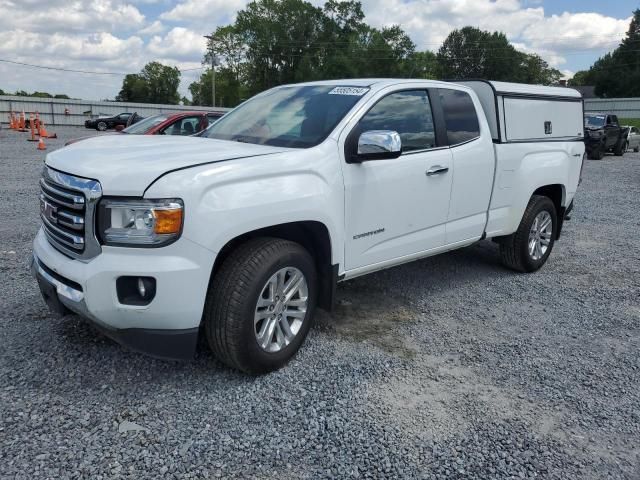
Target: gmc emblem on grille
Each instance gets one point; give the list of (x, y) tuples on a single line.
[(48, 211)]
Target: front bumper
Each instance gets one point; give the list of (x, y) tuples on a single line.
[(166, 328)]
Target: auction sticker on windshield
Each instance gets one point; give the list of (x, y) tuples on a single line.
[(357, 91)]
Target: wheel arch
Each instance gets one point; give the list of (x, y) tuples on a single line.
[(314, 236), (556, 192)]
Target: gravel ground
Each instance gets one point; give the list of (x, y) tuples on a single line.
[(450, 367)]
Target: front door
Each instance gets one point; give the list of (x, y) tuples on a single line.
[(399, 207)]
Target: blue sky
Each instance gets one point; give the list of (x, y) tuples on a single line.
[(120, 36)]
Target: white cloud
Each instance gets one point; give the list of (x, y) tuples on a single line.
[(204, 15), (575, 31), (123, 35), (153, 28), (78, 16), (179, 44)]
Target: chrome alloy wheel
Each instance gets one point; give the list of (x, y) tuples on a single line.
[(280, 309), (540, 235)]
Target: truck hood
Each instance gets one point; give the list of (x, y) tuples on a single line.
[(128, 164)]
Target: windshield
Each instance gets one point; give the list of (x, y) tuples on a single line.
[(143, 126), (297, 117), (594, 120)]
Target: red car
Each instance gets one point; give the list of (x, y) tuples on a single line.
[(182, 123)]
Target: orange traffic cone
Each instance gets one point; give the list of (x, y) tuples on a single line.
[(37, 121), (41, 145), (43, 131), (14, 122), (22, 123)]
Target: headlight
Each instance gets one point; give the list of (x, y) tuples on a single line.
[(139, 222)]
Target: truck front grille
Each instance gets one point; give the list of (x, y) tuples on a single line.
[(67, 209)]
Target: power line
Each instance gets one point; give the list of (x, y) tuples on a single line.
[(31, 65)]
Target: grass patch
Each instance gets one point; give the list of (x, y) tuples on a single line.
[(635, 122)]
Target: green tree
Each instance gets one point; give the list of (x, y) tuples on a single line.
[(617, 74), (2, 92), (283, 41), (579, 79), (474, 53), (61, 96), (229, 90), (536, 70), (423, 65), (156, 83)]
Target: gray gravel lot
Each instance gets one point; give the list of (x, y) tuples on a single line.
[(450, 367)]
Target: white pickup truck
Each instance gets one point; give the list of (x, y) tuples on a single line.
[(239, 233)]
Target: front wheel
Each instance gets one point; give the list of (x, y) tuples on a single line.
[(597, 153), (528, 248), (260, 304)]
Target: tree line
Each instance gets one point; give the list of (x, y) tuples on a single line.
[(22, 93), (273, 42), (616, 74)]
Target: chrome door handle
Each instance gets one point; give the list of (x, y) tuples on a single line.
[(436, 170)]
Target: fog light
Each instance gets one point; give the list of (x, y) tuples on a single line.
[(141, 290), (136, 290)]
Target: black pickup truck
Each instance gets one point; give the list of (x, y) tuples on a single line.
[(602, 134)]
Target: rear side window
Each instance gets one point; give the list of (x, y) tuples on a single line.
[(460, 117), (409, 114)]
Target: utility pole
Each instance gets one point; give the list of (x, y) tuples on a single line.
[(213, 71)]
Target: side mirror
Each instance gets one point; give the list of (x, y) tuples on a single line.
[(378, 145), (119, 128)]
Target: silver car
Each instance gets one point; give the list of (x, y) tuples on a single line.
[(633, 139)]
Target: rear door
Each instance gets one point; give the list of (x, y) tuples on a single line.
[(612, 131), (473, 164), (395, 208)]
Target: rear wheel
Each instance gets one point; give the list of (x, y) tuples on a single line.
[(102, 126), (637, 149), (597, 153), (260, 305), (620, 148), (528, 248)]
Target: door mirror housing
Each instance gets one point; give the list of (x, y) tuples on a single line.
[(378, 145)]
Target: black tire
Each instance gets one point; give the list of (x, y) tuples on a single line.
[(597, 153), (620, 148), (637, 149), (233, 295), (101, 126), (514, 249)]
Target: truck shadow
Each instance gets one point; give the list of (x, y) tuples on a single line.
[(369, 309), (372, 308)]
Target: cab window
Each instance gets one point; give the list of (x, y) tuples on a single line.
[(183, 126), (212, 118), (409, 114), (460, 117)]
